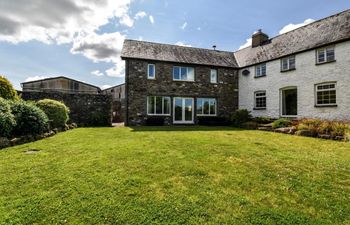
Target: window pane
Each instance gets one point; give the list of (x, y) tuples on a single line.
[(205, 107), (326, 94), (263, 70), (330, 54), (166, 105), (213, 76), (212, 107), (151, 71), (176, 73), (285, 64), (183, 73), (151, 109), (199, 106), (159, 105), (321, 56), (292, 63), (190, 73)]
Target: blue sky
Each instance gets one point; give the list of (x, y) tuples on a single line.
[(82, 39)]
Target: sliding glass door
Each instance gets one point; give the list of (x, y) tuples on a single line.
[(183, 110)]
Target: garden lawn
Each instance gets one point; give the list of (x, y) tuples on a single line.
[(175, 175)]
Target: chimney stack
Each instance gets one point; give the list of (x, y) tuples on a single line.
[(259, 38)]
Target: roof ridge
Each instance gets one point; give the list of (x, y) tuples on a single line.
[(150, 42)]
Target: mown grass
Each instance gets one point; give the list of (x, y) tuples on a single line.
[(175, 175)]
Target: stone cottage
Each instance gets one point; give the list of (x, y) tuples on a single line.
[(299, 74)]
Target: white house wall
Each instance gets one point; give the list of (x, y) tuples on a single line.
[(306, 75)]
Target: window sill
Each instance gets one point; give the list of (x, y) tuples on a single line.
[(201, 115), (259, 108), (326, 106), (285, 71), (318, 64), (189, 81), (259, 76), (158, 115)]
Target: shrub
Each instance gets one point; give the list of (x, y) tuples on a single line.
[(56, 111), (155, 121), (7, 119), (6, 90), (240, 116), (339, 129), (99, 119), (213, 121), (30, 119), (263, 120), (282, 122), (311, 125)]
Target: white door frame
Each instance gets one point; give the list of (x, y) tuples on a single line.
[(183, 111), (281, 101)]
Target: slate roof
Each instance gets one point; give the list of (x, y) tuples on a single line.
[(329, 30), (173, 53), (60, 77)]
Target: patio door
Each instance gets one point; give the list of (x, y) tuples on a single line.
[(183, 110), (289, 102)]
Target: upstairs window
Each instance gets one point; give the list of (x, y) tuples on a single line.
[(206, 107), (157, 105), (260, 70), (213, 76), (151, 71), (326, 94), (325, 55), (260, 100), (288, 63), (183, 73)]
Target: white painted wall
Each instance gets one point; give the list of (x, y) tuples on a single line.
[(306, 75)]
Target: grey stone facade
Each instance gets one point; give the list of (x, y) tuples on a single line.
[(138, 87), (85, 109)]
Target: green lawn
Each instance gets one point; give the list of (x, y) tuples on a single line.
[(177, 175)]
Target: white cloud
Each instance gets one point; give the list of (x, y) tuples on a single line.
[(38, 21), (97, 73), (151, 19), (99, 48), (183, 27), (199, 28), (180, 43), (140, 15), (247, 44), (103, 87), (118, 70), (292, 26), (34, 78)]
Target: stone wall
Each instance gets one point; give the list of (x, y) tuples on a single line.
[(304, 78), (85, 109), (138, 87)]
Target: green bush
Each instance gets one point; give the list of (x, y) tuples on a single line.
[(312, 126), (241, 116), (56, 111), (7, 119), (263, 120), (282, 122), (30, 119), (99, 119), (6, 89)]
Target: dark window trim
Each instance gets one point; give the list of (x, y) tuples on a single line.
[(318, 64), (284, 71), (326, 106)]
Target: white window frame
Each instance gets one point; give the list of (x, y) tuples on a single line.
[(213, 81), (329, 89), (209, 101), (256, 97), (154, 71), (289, 58), (259, 70), (187, 68), (325, 53), (155, 106)]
